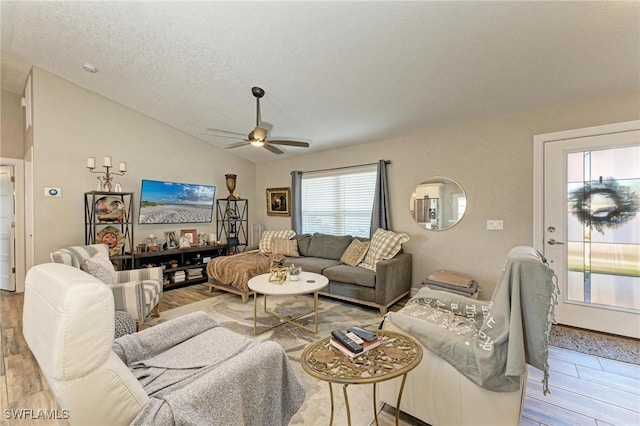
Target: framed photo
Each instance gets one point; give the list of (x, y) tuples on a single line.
[(171, 240), (184, 242), (278, 201), (191, 235)]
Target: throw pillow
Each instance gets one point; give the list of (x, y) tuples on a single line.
[(384, 245), (285, 247), (266, 242), (303, 243), (328, 246), (355, 253), (100, 267)]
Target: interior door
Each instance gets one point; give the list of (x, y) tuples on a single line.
[(7, 217), (28, 209), (592, 229)]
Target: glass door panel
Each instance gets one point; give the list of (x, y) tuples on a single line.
[(603, 227)]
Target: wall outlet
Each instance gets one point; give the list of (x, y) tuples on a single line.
[(494, 225), (53, 192)]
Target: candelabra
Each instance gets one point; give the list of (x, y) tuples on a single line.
[(106, 180)]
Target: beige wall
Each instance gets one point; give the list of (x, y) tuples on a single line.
[(11, 125), (72, 123), (491, 159)]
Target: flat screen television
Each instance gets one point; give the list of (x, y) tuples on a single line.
[(172, 202)]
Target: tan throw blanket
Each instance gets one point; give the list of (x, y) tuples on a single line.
[(236, 270), (452, 278)]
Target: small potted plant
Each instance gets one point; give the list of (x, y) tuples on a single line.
[(294, 272)]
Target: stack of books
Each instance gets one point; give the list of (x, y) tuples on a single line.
[(352, 344), (194, 273), (179, 276)]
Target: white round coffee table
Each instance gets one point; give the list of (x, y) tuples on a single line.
[(309, 282)]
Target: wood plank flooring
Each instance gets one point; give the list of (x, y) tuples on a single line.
[(584, 389)]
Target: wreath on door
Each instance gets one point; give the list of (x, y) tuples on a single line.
[(617, 204)]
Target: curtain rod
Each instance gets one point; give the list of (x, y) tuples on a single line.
[(344, 167)]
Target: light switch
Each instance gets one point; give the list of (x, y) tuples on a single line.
[(494, 225), (53, 192)]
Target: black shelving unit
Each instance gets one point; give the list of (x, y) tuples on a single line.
[(232, 216), (103, 209), (192, 260)]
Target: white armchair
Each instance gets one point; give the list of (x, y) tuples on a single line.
[(474, 368), (136, 291), (188, 370)]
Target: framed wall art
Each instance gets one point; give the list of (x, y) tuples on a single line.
[(278, 201)]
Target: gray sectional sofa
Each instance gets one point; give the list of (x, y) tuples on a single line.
[(321, 253)]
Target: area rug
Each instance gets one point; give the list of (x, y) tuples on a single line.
[(604, 345), (231, 313)]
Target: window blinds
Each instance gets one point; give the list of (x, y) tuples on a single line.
[(338, 202)]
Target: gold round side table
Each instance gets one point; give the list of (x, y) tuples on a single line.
[(396, 356)]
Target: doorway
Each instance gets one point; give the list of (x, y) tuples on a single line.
[(587, 224), (7, 229)]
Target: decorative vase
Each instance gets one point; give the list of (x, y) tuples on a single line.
[(231, 185), (294, 272)]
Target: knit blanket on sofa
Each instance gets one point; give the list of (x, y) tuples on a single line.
[(236, 270), (491, 342), (197, 372)]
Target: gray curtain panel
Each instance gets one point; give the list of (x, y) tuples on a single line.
[(380, 217), (296, 201)]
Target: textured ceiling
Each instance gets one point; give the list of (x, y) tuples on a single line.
[(334, 73)]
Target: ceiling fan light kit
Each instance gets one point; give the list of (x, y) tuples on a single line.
[(258, 136)]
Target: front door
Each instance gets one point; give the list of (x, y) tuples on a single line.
[(591, 227)]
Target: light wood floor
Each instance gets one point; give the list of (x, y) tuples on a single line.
[(585, 390)]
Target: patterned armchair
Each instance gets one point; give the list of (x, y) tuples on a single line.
[(136, 291)]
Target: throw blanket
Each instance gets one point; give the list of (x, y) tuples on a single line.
[(238, 269), (490, 343), (196, 372), (451, 277)]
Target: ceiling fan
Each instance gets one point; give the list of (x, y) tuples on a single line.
[(258, 136)]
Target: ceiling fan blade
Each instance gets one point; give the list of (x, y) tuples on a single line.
[(238, 138), (229, 132), (290, 143), (237, 145), (272, 149)]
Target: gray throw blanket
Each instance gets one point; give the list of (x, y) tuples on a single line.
[(196, 372), (490, 343)]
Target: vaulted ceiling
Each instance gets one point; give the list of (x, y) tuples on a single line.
[(335, 73)]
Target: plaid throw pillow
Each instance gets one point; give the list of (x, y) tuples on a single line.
[(285, 247), (266, 242), (384, 245)]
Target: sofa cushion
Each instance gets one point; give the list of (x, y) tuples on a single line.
[(285, 247), (312, 264), (100, 267), (351, 275), (328, 246), (384, 245), (266, 242), (355, 253), (303, 243)]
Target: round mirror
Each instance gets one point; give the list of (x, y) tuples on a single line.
[(438, 203)]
